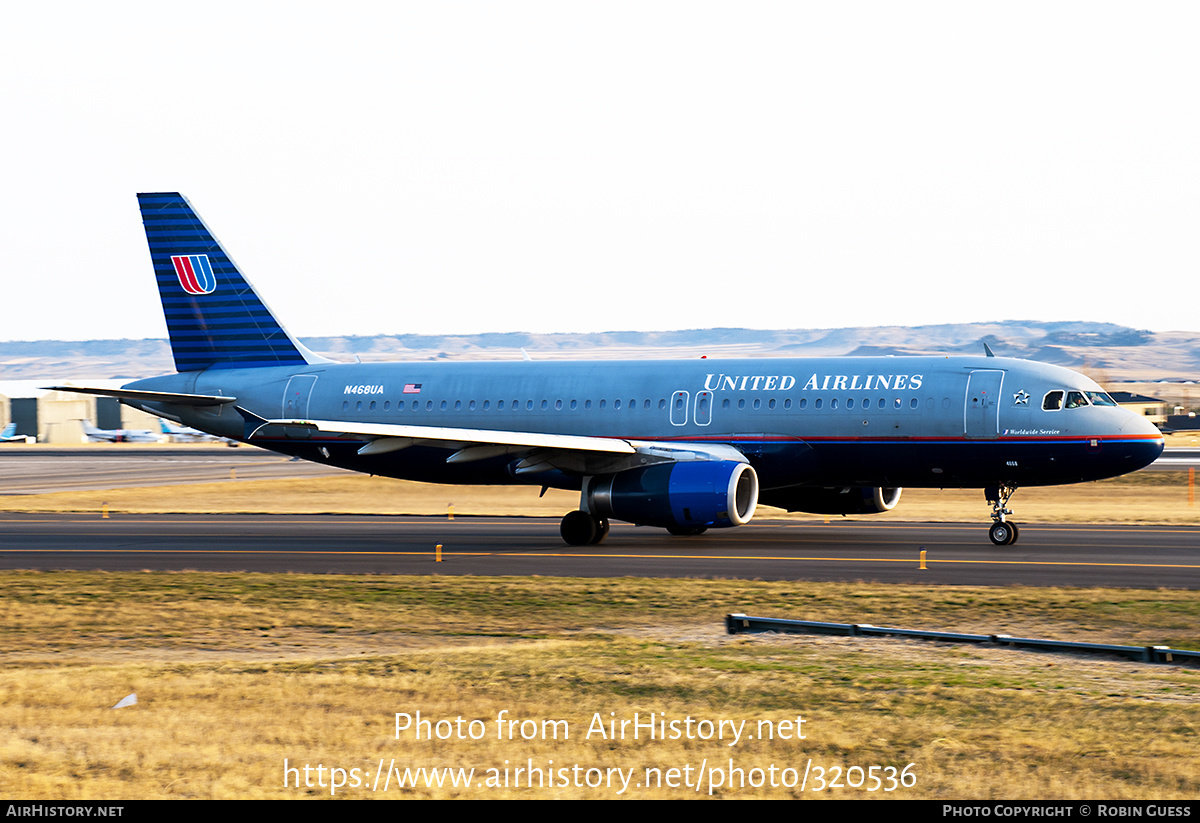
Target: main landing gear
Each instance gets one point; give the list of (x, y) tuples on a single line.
[(1002, 532), (580, 528)]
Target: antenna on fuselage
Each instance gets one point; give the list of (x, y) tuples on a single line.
[(987, 350)]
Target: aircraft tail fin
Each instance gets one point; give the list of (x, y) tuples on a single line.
[(9, 431), (214, 317)]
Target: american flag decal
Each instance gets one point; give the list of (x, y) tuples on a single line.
[(195, 273), (412, 388)]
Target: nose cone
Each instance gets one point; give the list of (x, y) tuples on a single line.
[(1145, 443)]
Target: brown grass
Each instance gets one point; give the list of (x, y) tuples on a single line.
[(236, 673)]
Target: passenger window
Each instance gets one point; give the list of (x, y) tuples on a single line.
[(1052, 401)]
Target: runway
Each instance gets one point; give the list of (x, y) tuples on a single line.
[(956, 554)]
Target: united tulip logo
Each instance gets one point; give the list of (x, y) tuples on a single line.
[(195, 273)]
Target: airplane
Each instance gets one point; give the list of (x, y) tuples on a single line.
[(95, 435), (684, 445), (184, 434), (9, 435)]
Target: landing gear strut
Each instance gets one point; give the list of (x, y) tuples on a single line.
[(580, 528), (1002, 532)]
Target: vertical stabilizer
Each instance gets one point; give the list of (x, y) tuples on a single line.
[(214, 317)]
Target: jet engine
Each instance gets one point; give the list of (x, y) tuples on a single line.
[(684, 497), (849, 500)]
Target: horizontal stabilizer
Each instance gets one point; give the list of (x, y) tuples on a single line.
[(150, 396)]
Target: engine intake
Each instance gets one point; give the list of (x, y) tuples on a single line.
[(691, 494)]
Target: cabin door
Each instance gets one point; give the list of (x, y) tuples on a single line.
[(982, 412), (296, 396)]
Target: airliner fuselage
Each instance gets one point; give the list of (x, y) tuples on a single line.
[(852, 421)]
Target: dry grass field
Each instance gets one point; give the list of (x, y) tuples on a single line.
[(237, 675)]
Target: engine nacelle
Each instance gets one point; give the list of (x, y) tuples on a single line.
[(850, 500), (688, 494)]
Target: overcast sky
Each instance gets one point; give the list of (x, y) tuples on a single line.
[(466, 167)]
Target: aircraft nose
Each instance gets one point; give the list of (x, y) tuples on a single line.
[(1146, 444)]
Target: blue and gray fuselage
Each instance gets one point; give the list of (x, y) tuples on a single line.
[(854, 421)]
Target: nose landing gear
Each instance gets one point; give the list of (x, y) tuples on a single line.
[(1002, 532)]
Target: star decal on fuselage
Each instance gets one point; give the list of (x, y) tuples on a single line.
[(1021, 398)]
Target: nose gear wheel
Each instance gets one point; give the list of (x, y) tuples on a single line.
[(1002, 532)]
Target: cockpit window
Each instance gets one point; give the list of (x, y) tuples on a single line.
[(1075, 400), (1100, 398), (1052, 401)]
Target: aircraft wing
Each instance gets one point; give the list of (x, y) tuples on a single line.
[(565, 452)]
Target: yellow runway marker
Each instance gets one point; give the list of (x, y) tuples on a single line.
[(502, 553)]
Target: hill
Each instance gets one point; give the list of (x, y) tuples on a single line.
[(1106, 351)]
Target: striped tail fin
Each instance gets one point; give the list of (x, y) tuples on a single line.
[(214, 317)]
